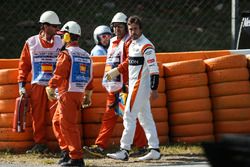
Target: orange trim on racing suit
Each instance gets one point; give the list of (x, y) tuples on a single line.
[(109, 118)]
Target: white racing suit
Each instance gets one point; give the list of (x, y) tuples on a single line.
[(142, 64)]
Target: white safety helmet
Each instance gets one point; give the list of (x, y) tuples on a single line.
[(49, 17), (119, 18), (101, 30), (71, 27)]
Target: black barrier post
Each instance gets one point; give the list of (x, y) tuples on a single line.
[(243, 41)]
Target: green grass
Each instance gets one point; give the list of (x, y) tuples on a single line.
[(28, 158), (182, 149), (169, 150)]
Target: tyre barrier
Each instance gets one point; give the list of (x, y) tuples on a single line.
[(99, 100), (228, 75), (191, 93), (162, 130), (236, 114), (9, 76), (8, 63), (230, 88), (98, 88), (193, 139), (188, 101), (189, 130), (230, 94), (94, 115), (184, 67), (186, 96), (191, 118), (10, 91), (186, 80), (225, 62)]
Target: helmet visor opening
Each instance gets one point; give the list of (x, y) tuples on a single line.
[(105, 36)]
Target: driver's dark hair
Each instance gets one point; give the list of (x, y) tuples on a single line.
[(135, 20)]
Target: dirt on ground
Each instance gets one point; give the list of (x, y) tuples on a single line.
[(51, 161)]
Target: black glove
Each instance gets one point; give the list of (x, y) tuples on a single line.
[(154, 81)]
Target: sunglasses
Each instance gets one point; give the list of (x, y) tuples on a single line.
[(105, 36), (54, 26), (118, 26)]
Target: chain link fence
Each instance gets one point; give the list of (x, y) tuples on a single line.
[(180, 25)]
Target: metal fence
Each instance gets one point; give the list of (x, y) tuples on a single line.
[(179, 25)]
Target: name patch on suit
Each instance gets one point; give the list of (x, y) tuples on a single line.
[(135, 61)]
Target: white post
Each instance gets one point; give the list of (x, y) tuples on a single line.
[(234, 22)]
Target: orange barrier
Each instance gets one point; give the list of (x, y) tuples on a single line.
[(184, 67), (236, 114), (10, 91), (182, 88), (233, 101), (9, 76), (16, 146), (99, 100), (8, 63), (7, 105), (193, 139), (98, 58), (223, 127), (230, 88), (97, 83), (186, 80), (188, 93), (191, 118), (199, 129), (161, 57), (8, 135), (6, 120), (225, 62), (228, 75), (94, 115), (182, 56), (230, 92), (162, 130), (188, 100)]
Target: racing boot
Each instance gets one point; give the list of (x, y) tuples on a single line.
[(120, 155), (154, 154)]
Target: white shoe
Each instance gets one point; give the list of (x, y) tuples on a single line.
[(152, 155), (120, 155)]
